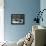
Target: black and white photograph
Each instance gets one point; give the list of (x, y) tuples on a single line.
[(17, 19)]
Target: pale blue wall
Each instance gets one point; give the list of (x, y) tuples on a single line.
[(28, 7), (43, 6)]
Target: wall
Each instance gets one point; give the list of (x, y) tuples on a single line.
[(1, 20), (27, 7), (42, 6)]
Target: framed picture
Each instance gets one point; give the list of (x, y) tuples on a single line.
[(17, 19)]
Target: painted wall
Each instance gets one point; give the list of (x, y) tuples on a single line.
[(1, 20), (27, 7)]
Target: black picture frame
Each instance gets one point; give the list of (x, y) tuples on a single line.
[(17, 19)]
